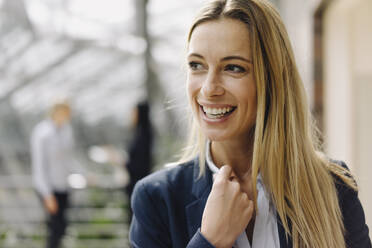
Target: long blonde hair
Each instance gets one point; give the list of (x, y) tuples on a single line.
[(286, 153)]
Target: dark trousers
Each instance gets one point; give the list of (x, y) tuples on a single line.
[(57, 223)]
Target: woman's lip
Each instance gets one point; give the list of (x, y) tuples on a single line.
[(215, 105), (210, 120)]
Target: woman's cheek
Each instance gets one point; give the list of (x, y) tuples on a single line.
[(192, 88), (192, 93)]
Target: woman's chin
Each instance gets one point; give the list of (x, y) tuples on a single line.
[(216, 136)]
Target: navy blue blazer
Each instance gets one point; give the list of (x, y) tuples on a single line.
[(168, 206)]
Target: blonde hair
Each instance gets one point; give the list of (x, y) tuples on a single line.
[(286, 152)]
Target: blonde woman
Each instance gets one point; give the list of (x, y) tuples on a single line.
[(254, 176)]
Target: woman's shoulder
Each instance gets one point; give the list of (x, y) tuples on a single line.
[(356, 230), (343, 178), (171, 178)]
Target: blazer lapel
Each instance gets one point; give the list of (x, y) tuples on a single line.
[(201, 188), (284, 243)]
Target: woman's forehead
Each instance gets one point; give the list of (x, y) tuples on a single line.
[(223, 36)]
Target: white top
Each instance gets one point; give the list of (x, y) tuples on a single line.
[(265, 232), (52, 150)]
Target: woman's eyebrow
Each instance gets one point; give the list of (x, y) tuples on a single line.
[(224, 58), (196, 55), (236, 57)]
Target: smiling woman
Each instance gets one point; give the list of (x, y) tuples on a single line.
[(272, 187)]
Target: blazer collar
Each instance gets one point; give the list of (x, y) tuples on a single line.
[(201, 187), (284, 241)]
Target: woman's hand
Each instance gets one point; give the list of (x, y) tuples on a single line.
[(227, 212)]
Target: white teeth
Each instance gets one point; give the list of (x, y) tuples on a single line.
[(216, 111)]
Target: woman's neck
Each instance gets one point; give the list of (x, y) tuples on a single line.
[(237, 154)]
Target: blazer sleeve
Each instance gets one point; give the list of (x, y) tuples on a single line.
[(149, 227), (356, 230), (198, 240)]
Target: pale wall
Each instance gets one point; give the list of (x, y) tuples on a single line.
[(298, 19), (348, 90)]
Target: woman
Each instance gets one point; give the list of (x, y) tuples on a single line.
[(271, 187)]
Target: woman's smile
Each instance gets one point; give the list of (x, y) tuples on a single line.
[(214, 114)]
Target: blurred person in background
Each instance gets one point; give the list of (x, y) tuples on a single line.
[(253, 175), (140, 149), (52, 149)]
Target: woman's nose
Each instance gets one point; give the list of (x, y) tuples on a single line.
[(212, 85)]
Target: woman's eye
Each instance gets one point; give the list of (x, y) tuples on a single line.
[(235, 68), (195, 66)]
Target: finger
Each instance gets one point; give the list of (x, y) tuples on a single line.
[(225, 172), (236, 187), (248, 212), (250, 206), (214, 176), (244, 198)]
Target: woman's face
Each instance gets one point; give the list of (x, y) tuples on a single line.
[(220, 81)]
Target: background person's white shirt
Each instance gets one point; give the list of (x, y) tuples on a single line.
[(265, 232), (52, 153)]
